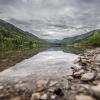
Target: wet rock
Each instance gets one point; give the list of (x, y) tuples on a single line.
[(84, 97), (41, 85), (36, 96), (88, 76), (79, 73), (44, 97), (96, 91)]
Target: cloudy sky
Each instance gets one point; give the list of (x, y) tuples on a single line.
[(52, 19)]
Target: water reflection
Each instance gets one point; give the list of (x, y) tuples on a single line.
[(9, 58), (52, 62)]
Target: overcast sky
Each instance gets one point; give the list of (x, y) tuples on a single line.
[(52, 19)]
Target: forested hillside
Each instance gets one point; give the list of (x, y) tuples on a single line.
[(88, 39), (93, 40), (12, 37)]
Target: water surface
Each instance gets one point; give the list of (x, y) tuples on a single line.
[(50, 63)]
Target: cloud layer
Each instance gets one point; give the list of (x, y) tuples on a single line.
[(52, 19)]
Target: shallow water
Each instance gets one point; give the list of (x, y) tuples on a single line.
[(51, 63)]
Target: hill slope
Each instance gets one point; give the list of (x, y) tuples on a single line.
[(11, 36), (91, 38)]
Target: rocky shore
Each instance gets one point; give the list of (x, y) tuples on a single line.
[(82, 83)]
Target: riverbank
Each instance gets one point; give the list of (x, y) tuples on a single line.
[(80, 83)]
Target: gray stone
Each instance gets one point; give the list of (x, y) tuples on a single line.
[(88, 76)]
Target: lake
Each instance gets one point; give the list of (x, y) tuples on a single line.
[(45, 63)]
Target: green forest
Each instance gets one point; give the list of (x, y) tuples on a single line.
[(12, 37), (93, 40)]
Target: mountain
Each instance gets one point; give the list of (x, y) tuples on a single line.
[(54, 41), (91, 38), (11, 36)]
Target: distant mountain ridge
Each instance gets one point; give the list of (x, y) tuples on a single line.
[(10, 35)]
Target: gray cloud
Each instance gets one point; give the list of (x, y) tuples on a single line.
[(54, 19)]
